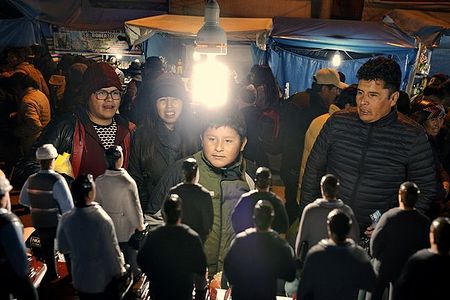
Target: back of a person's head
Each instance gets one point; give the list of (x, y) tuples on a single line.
[(440, 229), (329, 185), (189, 167), (409, 194), (382, 68), (347, 97), (263, 214), (339, 225), (172, 209), (81, 187), (263, 177), (434, 92), (22, 81), (404, 103), (153, 67), (112, 155)]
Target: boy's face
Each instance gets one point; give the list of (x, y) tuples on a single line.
[(222, 145)]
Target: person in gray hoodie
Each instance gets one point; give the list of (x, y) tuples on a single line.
[(313, 223)]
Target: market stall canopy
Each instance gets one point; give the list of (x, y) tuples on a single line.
[(354, 36), (295, 44), (78, 14), (429, 26), (237, 29)]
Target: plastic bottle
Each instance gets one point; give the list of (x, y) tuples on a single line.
[(286, 90)]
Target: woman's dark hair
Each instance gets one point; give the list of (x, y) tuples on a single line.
[(112, 155), (262, 75), (382, 68), (81, 187)]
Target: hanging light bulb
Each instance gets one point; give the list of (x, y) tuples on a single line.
[(211, 38), (336, 60)]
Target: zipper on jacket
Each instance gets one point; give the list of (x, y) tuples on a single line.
[(219, 244), (361, 164)]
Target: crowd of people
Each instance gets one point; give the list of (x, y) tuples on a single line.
[(365, 171)]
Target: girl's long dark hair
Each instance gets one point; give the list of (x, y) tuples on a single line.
[(262, 75)]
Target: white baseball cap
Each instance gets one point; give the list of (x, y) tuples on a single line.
[(46, 151)]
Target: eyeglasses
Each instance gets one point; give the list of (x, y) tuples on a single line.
[(103, 95)]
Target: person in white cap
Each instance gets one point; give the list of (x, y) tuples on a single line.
[(48, 196), (300, 109), (13, 258)]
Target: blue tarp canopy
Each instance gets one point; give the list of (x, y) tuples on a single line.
[(358, 41), (433, 30)]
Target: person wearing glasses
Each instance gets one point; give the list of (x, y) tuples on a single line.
[(94, 127)]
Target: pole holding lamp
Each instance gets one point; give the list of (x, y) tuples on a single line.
[(211, 38)]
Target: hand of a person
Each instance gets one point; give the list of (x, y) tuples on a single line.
[(446, 186), (369, 231)]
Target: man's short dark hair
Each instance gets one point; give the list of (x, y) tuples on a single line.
[(227, 117), (440, 228), (189, 167), (81, 187), (112, 155), (339, 224), (382, 68), (409, 192), (330, 186), (172, 209), (347, 96), (263, 214), (263, 177)]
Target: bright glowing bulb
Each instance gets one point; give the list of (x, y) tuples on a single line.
[(196, 56), (210, 83), (336, 61)]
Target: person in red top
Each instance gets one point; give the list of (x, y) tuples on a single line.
[(94, 127)]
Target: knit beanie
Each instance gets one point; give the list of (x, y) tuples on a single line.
[(168, 85), (97, 76), (424, 109)]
